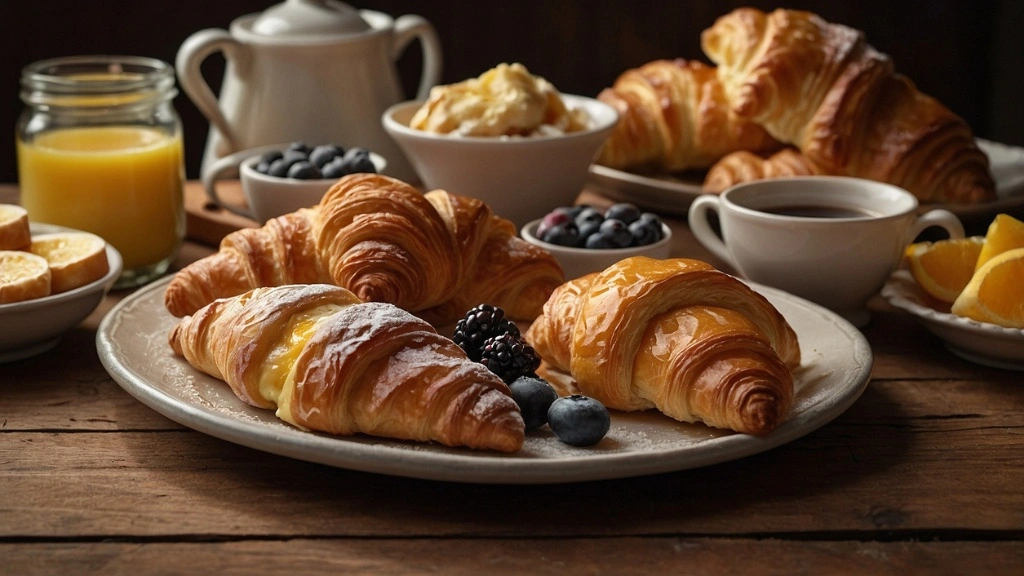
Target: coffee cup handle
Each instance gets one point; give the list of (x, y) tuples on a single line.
[(697, 218), (942, 218), (227, 167)]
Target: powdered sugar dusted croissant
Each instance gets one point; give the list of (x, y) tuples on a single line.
[(822, 88), (328, 362), (673, 116), (434, 254), (676, 335)]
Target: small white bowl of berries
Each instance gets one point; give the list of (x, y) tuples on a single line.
[(282, 178), (587, 239)]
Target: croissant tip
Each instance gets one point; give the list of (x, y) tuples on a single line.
[(761, 415)]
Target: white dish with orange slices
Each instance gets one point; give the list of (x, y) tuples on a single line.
[(40, 305), (968, 293), (978, 342)]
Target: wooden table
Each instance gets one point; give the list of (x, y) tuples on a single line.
[(924, 474)]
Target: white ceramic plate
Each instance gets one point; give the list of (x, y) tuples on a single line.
[(673, 193), (132, 344), (978, 342), (35, 326)]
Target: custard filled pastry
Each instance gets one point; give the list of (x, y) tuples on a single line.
[(328, 362), (676, 335), (436, 254), (822, 88), (673, 116)]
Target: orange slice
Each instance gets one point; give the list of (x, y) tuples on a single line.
[(994, 293), (75, 258), (23, 276), (1004, 233), (14, 231), (943, 268)]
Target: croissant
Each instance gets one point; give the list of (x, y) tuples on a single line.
[(743, 166), (822, 88), (673, 116), (676, 335), (434, 254), (327, 361)]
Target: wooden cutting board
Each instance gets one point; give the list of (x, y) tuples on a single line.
[(207, 222)]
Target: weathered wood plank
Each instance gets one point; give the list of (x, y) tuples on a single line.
[(896, 461), (540, 557)]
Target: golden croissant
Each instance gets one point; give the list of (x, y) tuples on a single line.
[(327, 361), (434, 254), (673, 116), (822, 88), (744, 166), (676, 335)]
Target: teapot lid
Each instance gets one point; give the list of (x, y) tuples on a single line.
[(309, 17)]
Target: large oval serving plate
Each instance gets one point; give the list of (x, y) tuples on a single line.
[(672, 193), (132, 344)]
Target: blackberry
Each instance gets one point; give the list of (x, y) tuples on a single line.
[(478, 326), (509, 357)]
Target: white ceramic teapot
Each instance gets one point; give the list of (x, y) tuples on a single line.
[(318, 71)]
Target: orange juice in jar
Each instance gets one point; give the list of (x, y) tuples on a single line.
[(100, 149)]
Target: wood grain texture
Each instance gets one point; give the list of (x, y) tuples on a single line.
[(499, 556), (913, 459)]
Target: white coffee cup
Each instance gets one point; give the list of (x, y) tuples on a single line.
[(266, 196), (831, 240)]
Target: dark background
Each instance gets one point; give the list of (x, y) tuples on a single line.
[(968, 53)]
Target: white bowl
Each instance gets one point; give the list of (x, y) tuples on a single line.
[(268, 196), (34, 326), (578, 262), (978, 342), (519, 178)]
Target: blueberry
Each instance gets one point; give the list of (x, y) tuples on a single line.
[(324, 153), (586, 230), (304, 170), (599, 241), (336, 168), (280, 167), (298, 146), (564, 234), (617, 232), (579, 420), (588, 214), (624, 211), (356, 151), (360, 163), (550, 219), (574, 211), (263, 166), (534, 396), (645, 233)]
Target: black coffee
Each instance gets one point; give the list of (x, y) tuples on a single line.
[(811, 211)]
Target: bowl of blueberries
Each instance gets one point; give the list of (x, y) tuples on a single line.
[(282, 178), (586, 239)]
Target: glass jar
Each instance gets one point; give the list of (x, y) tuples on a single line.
[(100, 149)]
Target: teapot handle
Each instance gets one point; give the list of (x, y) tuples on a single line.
[(409, 27), (193, 51)]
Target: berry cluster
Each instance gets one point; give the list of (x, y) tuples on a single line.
[(621, 226), (302, 162), (495, 341)]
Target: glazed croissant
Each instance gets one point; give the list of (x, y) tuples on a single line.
[(743, 166), (328, 362), (822, 88), (434, 254), (673, 116), (676, 335)]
